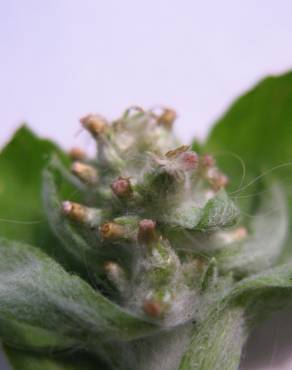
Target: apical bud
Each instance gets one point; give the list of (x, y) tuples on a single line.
[(85, 173), (77, 154), (122, 188), (94, 123), (111, 231), (167, 118), (152, 308), (147, 231)]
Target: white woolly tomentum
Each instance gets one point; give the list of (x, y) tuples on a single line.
[(153, 226), (162, 268)]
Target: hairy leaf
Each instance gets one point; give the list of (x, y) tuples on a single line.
[(219, 212), (268, 231), (63, 361), (35, 290), (217, 342)]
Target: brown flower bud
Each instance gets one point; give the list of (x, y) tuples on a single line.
[(75, 211), (85, 173), (111, 267), (167, 118), (147, 231), (152, 308), (94, 123), (77, 154), (122, 188), (111, 231)]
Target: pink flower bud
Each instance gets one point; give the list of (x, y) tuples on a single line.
[(122, 188), (147, 231), (189, 161)]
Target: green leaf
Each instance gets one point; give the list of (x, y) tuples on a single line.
[(35, 290), (219, 212), (256, 132), (26, 337), (268, 230), (21, 212), (218, 340), (31, 361)]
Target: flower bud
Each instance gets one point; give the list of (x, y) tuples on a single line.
[(78, 212), (217, 179), (85, 173), (75, 211), (189, 161), (207, 161), (111, 231), (94, 123), (122, 188), (147, 231), (116, 275), (152, 308), (167, 118), (77, 154), (233, 236)]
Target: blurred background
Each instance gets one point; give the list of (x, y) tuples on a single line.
[(61, 59)]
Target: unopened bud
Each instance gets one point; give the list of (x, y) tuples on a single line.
[(207, 161), (94, 123), (75, 211), (122, 188), (85, 172), (189, 161), (111, 268), (233, 236), (217, 179), (147, 231), (77, 154), (152, 308), (167, 118), (111, 231), (78, 212), (239, 234), (116, 275)]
